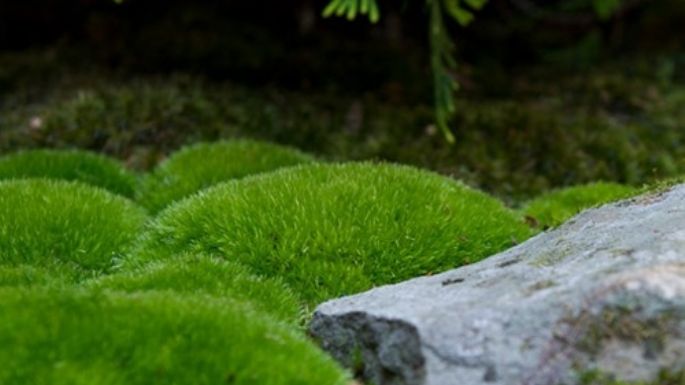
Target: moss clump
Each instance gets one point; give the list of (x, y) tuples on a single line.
[(203, 165), (554, 208), (665, 377), (73, 165), (386, 221), (210, 276), (107, 338), (48, 223), (29, 276)]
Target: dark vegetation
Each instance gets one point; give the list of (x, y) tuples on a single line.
[(541, 105)]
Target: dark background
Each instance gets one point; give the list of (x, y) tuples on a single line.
[(289, 44), (550, 95)]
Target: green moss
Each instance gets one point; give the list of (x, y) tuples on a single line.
[(662, 185), (665, 377), (320, 279), (73, 165), (107, 338), (203, 165), (553, 256), (210, 276), (554, 208), (615, 124), (48, 223), (622, 323), (30, 276), (389, 222)]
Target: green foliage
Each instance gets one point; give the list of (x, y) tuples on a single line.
[(350, 9), (605, 8), (202, 165), (75, 165), (443, 63), (462, 10), (107, 338), (389, 222), (554, 208), (49, 223), (442, 48), (192, 275)]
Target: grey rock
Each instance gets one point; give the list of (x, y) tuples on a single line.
[(602, 295)]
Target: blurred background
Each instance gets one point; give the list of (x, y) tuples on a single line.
[(552, 93)]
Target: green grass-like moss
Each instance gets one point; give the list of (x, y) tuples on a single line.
[(107, 338), (199, 166), (33, 276), (664, 377), (73, 165), (210, 276), (555, 207), (46, 223), (382, 221)]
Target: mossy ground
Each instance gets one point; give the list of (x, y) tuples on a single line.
[(555, 207), (390, 222), (323, 234), (665, 377), (70, 225), (56, 275), (72, 165), (614, 123), (251, 254), (108, 338), (202, 165), (192, 275)]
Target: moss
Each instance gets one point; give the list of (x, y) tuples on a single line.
[(552, 257), (192, 275), (662, 185), (620, 324), (32, 276), (72, 165), (540, 285), (390, 222), (205, 164), (608, 124), (665, 377), (555, 207), (105, 338), (48, 223)]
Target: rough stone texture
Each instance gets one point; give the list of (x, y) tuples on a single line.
[(604, 293)]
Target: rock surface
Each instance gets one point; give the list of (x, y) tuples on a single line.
[(600, 298)]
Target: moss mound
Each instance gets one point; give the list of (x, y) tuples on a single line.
[(210, 276), (73, 165), (385, 222), (48, 223), (32, 276), (111, 338), (554, 208), (203, 165)]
